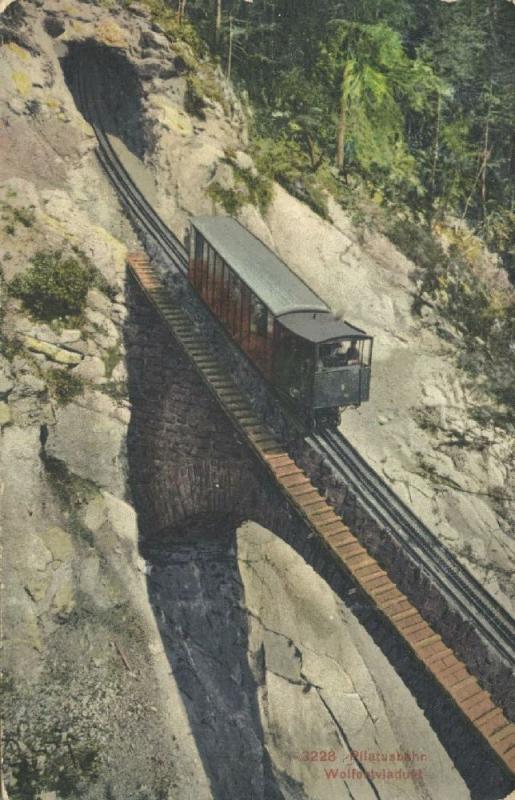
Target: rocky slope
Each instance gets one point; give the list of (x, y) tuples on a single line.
[(106, 697)]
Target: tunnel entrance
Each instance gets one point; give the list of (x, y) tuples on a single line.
[(107, 90)]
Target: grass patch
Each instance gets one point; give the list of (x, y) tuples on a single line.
[(284, 161), (72, 492), (25, 216), (10, 347), (118, 390), (174, 28), (64, 385), (194, 98), (111, 359), (260, 188), (201, 89), (13, 216), (65, 772), (231, 200), (250, 188)]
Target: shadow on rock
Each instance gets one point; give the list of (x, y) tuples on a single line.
[(197, 596)]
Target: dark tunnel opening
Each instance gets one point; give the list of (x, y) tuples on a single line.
[(106, 88)]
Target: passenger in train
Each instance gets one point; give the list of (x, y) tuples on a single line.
[(352, 355), (333, 355)]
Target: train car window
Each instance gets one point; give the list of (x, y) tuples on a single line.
[(258, 324), (211, 284), (245, 313), (270, 337), (210, 276), (217, 283), (223, 293), (236, 306), (229, 301), (197, 259), (258, 318), (204, 271), (366, 352)]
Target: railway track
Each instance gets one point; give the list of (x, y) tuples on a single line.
[(496, 626)]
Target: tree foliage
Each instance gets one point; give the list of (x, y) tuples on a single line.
[(416, 98)]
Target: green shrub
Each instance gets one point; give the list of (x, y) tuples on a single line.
[(26, 216), (260, 189), (186, 55), (168, 20), (284, 161), (118, 390), (250, 187), (56, 285), (64, 385), (10, 347), (194, 99), (201, 87), (231, 200), (418, 244)]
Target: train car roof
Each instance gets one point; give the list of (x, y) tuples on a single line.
[(320, 327), (271, 280)]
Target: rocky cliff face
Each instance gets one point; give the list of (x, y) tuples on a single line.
[(207, 670)]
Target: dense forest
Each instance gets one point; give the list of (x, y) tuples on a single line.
[(412, 100)]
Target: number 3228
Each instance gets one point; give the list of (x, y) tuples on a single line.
[(318, 755)]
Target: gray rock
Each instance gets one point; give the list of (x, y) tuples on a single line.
[(5, 414), (91, 445), (152, 39), (140, 10), (281, 656), (119, 373), (29, 384), (69, 336), (119, 310), (17, 105), (6, 385), (98, 301), (44, 333), (224, 176), (151, 69), (92, 369), (244, 161)]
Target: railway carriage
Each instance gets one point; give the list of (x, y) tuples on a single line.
[(316, 362)]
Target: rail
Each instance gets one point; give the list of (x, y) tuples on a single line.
[(419, 543)]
